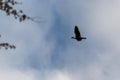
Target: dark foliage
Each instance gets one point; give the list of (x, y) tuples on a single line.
[(7, 45), (7, 7)]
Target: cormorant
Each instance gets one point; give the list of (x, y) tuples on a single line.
[(77, 34)]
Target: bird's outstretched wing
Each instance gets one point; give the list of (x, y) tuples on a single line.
[(77, 32)]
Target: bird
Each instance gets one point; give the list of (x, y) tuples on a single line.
[(77, 34)]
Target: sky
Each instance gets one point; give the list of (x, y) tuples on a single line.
[(45, 51)]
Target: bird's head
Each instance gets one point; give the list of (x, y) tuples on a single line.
[(73, 38)]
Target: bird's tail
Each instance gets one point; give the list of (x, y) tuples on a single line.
[(84, 38)]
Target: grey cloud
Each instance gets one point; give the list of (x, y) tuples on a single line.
[(95, 58)]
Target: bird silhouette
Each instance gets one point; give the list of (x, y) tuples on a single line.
[(77, 34)]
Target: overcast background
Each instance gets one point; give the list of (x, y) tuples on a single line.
[(46, 52)]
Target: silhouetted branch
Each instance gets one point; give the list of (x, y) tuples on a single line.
[(36, 19), (7, 45), (7, 6)]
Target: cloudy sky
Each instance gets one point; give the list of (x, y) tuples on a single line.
[(46, 52)]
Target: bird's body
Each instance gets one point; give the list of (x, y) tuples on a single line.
[(77, 34)]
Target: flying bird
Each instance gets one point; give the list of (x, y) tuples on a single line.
[(77, 34)]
